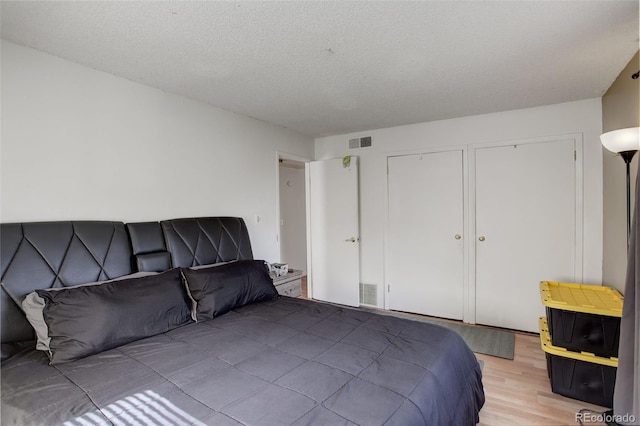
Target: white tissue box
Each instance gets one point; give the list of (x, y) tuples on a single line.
[(279, 269)]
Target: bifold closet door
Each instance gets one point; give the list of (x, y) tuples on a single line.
[(425, 259), (525, 228)]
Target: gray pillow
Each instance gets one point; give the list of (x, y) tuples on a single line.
[(194, 304), (88, 319), (219, 289), (33, 304)]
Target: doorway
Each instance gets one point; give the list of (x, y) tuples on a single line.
[(293, 216)]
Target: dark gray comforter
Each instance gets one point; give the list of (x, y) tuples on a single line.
[(289, 361)]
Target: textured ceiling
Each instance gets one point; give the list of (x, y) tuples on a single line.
[(324, 68)]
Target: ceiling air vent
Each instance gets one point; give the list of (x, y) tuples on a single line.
[(364, 142)]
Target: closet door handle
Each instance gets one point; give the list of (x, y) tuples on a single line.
[(481, 238), (458, 236)]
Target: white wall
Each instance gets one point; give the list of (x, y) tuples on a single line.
[(293, 229), (82, 144), (575, 117)]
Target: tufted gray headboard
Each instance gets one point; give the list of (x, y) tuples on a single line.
[(206, 240), (189, 242), (43, 255)]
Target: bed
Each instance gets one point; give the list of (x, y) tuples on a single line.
[(193, 333)]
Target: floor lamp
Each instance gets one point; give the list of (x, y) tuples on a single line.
[(625, 142)]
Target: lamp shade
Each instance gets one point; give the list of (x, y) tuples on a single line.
[(622, 140)]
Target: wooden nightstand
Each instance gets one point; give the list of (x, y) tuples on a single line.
[(289, 284)]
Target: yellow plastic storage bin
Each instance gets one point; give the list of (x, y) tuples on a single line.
[(583, 318), (588, 299), (579, 375)]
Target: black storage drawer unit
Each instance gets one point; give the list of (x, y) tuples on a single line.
[(579, 375), (580, 332), (583, 380), (583, 318)]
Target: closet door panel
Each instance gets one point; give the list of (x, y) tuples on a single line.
[(425, 259), (525, 228)]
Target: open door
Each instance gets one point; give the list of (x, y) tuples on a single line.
[(334, 231)]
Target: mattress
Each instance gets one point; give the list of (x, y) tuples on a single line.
[(280, 362)]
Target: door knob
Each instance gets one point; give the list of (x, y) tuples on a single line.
[(458, 236), (352, 240), (481, 238)]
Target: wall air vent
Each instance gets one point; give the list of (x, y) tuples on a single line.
[(363, 142), (369, 294)]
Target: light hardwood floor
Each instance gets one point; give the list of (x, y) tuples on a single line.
[(518, 391)]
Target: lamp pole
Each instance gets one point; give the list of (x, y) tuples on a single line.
[(627, 156)]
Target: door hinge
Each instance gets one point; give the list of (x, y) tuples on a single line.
[(388, 288), (575, 155)]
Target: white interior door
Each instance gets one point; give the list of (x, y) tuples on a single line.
[(334, 231), (425, 260), (525, 228)]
